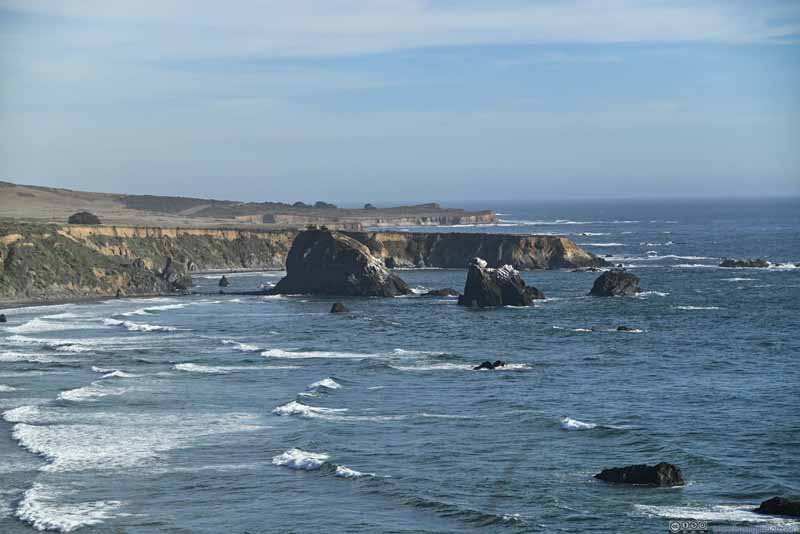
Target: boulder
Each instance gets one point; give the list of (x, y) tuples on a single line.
[(487, 287), (83, 217), (369, 206), (662, 474), (623, 328), (445, 292), (338, 307), (330, 263), (176, 279), (727, 262), (3, 318), (615, 283), (224, 282), (489, 366), (780, 506)]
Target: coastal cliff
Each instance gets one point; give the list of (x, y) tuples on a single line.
[(51, 262)]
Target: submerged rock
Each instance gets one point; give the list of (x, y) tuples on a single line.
[(615, 283), (445, 292), (758, 263), (780, 506), (623, 328), (331, 263), (489, 366), (487, 287), (662, 474), (224, 282), (83, 217), (338, 307)]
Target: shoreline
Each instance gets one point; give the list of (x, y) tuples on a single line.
[(13, 305)]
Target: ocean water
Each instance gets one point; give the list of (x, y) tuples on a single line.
[(218, 413)]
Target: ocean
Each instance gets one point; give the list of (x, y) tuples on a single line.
[(234, 414)]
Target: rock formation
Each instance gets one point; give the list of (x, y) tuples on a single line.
[(3, 318), (487, 287), (662, 474), (615, 283), (176, 278), (779, 506), (338, 307), (489, 366), (444, 292), (331, 263), (224, 282), (83, 217), (744, 263)]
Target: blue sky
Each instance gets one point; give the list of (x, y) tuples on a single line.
[(395, 100)]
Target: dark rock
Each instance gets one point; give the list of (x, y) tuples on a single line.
[(780, 506), (83, 217), (489, 366), (390, 262), (445, 292), (623, 328), (615, 283), (744, 263), (338, 307), (224, 282), (3, 318), (331, 263), (486, 287), (662, 474), (118, 294), (177, 280), (369, 206), (299, 204)]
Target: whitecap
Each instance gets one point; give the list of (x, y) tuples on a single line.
[(691, 308), (738, 279), (13, 356), (42, 325), (643, 294), (140, 327), (601, 244), (118, 374), (300, 459), (304, 410), (457, 367), (90, 392), (280, 353), (196, 368), (715, 513), (6, 389), (567, 423), (346, 472), (244, 347), (42, 507), (328, 383)]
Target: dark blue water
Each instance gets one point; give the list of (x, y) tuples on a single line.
[(200, 414)]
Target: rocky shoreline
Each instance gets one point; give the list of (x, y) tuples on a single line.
[(49, 262)]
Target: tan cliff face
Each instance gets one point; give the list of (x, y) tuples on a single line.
[(60, 261)]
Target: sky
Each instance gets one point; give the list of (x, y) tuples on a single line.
[(402, 100)]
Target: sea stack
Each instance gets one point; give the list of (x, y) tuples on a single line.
[(487, 287), (615, 283), (224, 282), (325, 262)]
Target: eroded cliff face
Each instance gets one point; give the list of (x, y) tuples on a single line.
[(49, 262)]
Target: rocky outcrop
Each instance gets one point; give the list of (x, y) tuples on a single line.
[(445, 292), (662, 474), (83, 217), (757, 263), (176, 277), (454, 250), (3, 318), (615, 283), (487, 287), (330, 263), (338, 307), (224, 282), (780, 506), (489, 366)]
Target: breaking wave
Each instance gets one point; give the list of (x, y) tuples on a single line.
[(244, 347), (292, 354), (716, 513), (43, 508), (141, 327), (301, 460), (567, 423)]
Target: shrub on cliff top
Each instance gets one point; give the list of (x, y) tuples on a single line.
[(83, 217)]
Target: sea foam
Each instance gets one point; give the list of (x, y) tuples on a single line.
[(301, 460), (44, 509), (567, 423), (140, 327)]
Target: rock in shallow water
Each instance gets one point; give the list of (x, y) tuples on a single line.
[(330, 263), (615, 283), (487, 287), (224, 282), (338, 307), (489, 366), (757, 263), (779, 506), (445, 292), (662, 474)]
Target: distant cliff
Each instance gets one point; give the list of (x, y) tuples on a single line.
[(49, 262)]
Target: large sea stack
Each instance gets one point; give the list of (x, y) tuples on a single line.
[(330, 263), (487, 287), (615, 283)]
